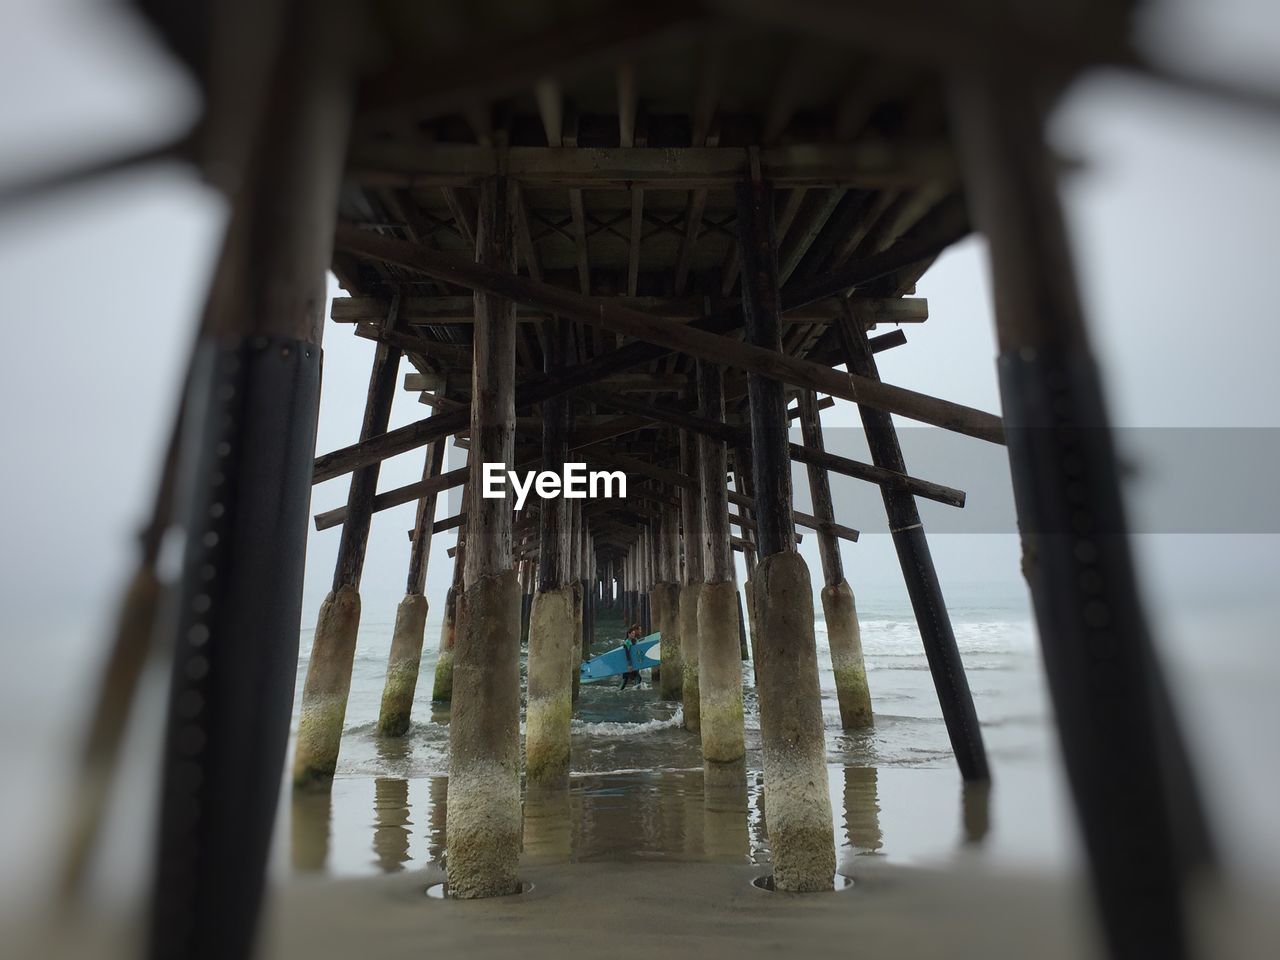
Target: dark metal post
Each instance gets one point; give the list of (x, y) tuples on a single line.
[(917, 569), (1140, 812)]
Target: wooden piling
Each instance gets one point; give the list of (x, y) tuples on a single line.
[(921, 578), (411, 616), (1141, 816), (719, 651), (553, 646), (838, 608), (795, 776), (671, 672), (691, 540), (251, 413), (333, 648), (442, 681), (484, 747)]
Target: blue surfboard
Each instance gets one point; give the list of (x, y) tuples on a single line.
[(644, 654)]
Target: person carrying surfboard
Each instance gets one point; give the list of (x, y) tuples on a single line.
[(628, 644)]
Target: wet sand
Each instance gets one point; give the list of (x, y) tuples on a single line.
[(704, 910)]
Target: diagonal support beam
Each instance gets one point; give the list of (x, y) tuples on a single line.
[(684, 338)]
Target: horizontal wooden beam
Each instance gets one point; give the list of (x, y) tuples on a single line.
[(450, 311), (738, 437), (676, 336), (410, 492), (420, 382), (535, 390), (675, 478), (864, 165)]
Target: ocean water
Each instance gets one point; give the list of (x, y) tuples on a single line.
[(637, 788)]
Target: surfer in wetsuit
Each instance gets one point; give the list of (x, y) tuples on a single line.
[(629, 645)]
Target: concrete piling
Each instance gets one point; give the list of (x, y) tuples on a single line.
[(795, 772), (845, 639), (402, 666), (671, 679), (666, 606), (719, 644), (483, 824), (843, 635), (719, 674), (411, 616), (553, 660), (690, 698), (324, 694), (795, 775), (442, 685), (484, 730)]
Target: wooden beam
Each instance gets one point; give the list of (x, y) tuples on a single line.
[(681, 337), (820, 490), (424, 524), (493, 402), (411, 436), (455, 478), (946, 224), (771, 459), (437, 82), (553, 526), (869, 165), (921, 578), (682, 481), (457, 310), (364, 482), (714, 469), (737, 436)]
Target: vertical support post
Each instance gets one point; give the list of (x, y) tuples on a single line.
[(246, 464), (719, 650), (411, 616), (553, 646), (839, 611), (671, 672), (442, 683), (578, 568), (527, 578), (591, 589), (691, 523), (484, 747), (795, 775), (1130, 776), (917, 567), (333, 648), (742, 482)]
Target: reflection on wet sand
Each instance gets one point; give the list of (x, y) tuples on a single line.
[(712, 814), (391, 818), (548, 827), (724, 825), (437, 794), (862, 810), (311, 814), (975, 806)]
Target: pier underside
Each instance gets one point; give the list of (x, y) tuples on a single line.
[(653, 239)]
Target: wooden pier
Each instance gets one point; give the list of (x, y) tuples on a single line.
[(656, 239)]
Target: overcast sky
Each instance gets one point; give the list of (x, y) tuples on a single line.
[(1172, 217)]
